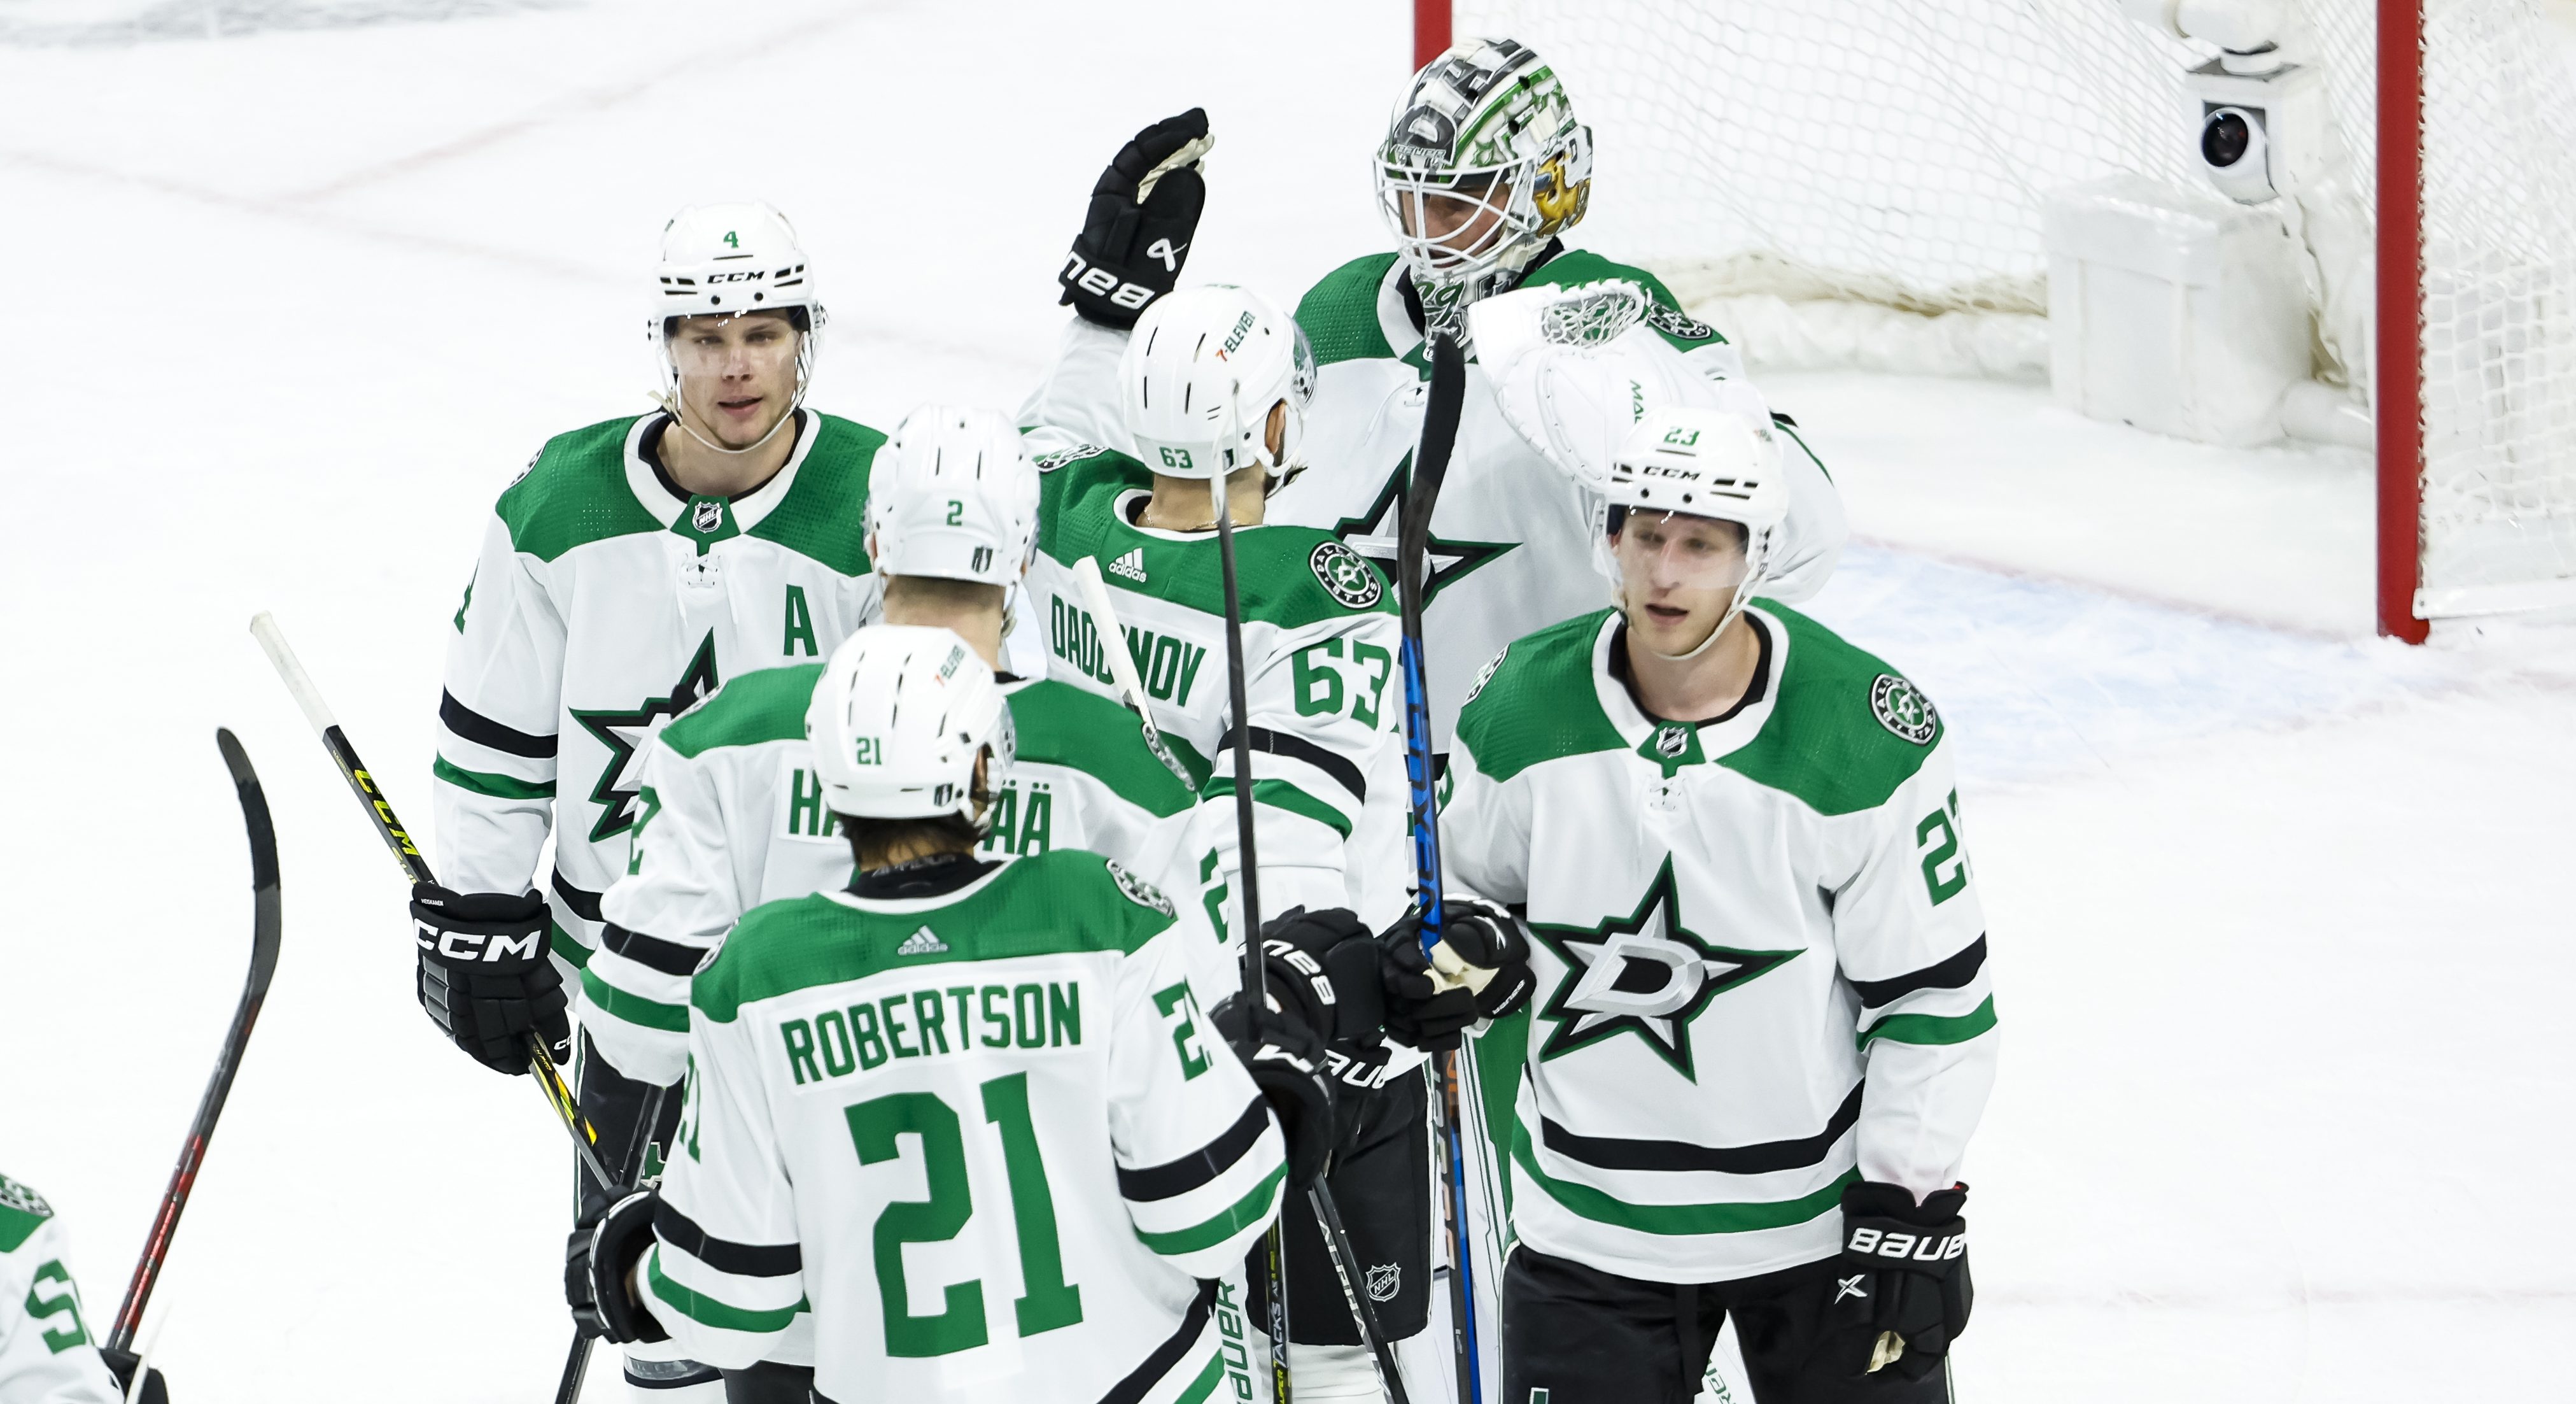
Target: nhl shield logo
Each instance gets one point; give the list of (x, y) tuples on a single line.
[(1383, 1282), (707, 515), (1903, 709), (1671, 741), (1346, 575)]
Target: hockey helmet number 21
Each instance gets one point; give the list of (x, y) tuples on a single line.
[(900, 718)]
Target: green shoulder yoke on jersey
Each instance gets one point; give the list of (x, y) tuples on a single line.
[(1340, 313), (1288, 576), (22, 1212), (1062, 902), (575, 492), (756, 707), (1060, 724), (1844, 733)]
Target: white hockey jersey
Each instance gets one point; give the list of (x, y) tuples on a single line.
[(606, 603), (46, 1355), (1511, 545), (1320, 638), (733, 816), (988, 1139), (1759, 949)]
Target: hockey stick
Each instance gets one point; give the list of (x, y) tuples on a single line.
[(264, 927), (550, 1081), (1122, 664), (1256, 991), (1413, 536), (577, 1360), (1319, 1196)]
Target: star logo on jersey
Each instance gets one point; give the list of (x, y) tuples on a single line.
[(1372, 534), (623, 732), (1644, 973)]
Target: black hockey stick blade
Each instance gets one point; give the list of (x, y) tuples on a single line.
[(266, 920)]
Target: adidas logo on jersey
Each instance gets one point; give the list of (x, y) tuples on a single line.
[(1131, 565), (921, 942)]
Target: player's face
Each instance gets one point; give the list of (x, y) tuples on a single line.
[(1678, 576), (737, 374), (1461, 222)]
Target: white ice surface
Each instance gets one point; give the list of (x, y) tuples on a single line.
[(2281, 913)]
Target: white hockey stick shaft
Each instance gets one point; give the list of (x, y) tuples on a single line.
[(1122, 664), (272, 640)]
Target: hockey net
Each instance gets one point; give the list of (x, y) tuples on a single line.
[(1860, 183)]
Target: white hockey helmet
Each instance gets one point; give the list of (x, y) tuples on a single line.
[(953, 494), (725, 260), (1201, 374), (900, 718), (1698, 461)]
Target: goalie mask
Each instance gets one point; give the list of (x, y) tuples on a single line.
[(726, 260), (899, 720), (1201, 375), (1483, 164), (954, 495)]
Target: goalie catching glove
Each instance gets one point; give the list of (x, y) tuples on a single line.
[(1901, 1290), (1481, 971), (484, 975), (1144, 212)]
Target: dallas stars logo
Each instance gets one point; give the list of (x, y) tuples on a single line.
[(1372, 533), (623, 733), (1645, 974)]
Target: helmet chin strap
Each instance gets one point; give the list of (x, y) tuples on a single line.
[(671, 405)]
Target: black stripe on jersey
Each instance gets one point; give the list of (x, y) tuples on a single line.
[(669, 957), (584, 904), (1344, 771), (1611, 1153), (1949, 974), (740, 1259), (1170, 1353), (483, 731), (1180, 1176)]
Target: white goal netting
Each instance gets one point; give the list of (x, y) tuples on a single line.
[(1860, 182)]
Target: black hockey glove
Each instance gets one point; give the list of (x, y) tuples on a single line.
[(121, 1363), (1326, 963), (1495, 955), (485, 977), (596, 1266), (1286, 1060), (1901, 1290), (1144, 212)]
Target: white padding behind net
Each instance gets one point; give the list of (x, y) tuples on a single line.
[(1860, 182)]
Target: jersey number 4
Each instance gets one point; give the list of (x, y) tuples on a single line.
[(878, 1126)]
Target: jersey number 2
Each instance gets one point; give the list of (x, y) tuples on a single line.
[(877, 1126)]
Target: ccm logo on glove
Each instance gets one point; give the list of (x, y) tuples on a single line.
[(1920, 1247), (476, 945)]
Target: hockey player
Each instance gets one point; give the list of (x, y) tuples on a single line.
[(46, 1356), (634, 567), (1212, 389), (967, 1111), (1764, 1027)]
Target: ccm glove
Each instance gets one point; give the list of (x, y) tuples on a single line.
[(1286, 1059), (1901, 1290), (121, 1363), (597, 1264), (485, 977), (1144, 212)]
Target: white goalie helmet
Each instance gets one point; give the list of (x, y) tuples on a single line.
[(1202, 372), (900, 718), (725, 260), (953, 495)]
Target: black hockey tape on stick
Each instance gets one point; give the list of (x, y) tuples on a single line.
[(1413, 534), (266, 922), (407, 856)]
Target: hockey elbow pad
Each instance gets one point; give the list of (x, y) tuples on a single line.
[(1901, 1290), (1144, 213)]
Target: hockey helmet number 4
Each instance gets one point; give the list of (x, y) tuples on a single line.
[(900, 718)]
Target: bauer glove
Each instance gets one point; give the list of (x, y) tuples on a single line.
[(1286, 1059), (484, 975), (1901, 1289), (1144, 213), (597, 1264)]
